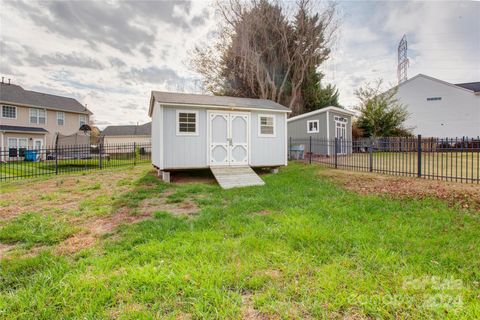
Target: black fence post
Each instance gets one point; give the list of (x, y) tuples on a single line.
[(290, 149), (134, 153), (370, 151), (310, 151), (419, 156), (335, 147), (100, 151), (56, 155)]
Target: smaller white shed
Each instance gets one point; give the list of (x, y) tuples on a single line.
[(229, 135), (323, 126)]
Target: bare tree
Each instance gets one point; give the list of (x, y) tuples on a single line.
[(263, 51)]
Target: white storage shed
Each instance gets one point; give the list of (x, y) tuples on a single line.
[(226, 134)]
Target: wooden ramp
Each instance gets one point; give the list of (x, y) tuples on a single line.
[(236, 176)]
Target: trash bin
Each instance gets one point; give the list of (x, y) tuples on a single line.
[(31, 155)]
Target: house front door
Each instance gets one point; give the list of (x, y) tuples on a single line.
[(228, 138)]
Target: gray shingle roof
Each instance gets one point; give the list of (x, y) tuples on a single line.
[(128, 130), (474, 86), (221, 101), (16, 94), (22, 129)]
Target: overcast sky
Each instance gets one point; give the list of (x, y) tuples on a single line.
[(110, 55)]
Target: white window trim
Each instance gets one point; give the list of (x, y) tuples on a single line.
[(17, 141), (177, 122), (7, 105), (63, 118), (263, 135), (318, 126), (80, 119), (38, 116)]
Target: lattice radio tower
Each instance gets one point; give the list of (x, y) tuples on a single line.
[(402, 60)]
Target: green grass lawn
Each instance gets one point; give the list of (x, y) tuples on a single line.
[(299, 247)]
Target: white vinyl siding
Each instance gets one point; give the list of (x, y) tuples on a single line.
[(38, 116), (9, 112), (60, 118), (187, 122), (266, 124)]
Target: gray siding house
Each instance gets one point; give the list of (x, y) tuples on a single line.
[(198, 131), (324, 124)]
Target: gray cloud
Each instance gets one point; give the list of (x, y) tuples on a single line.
[(163, 75), (73, 59), (10, 54), (116, 62), (132, 106), (119, 26), (146, 51)]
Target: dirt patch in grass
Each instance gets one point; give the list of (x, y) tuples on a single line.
[(263, 212), (63, 193), (97, 227), (466, 196), (185, 208), (4, 248)]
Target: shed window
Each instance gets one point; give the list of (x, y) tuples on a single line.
[(37, 116), (187, 122), (266, 126), (313, 126), (60, 118), (9, 112)]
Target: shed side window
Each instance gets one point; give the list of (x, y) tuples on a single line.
[(313, 126), (267, 125), (187, 122), (9, 112)]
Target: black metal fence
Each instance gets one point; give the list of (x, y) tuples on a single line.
[(17, 163), (456, 159)]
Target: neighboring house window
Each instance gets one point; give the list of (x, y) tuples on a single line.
[(83, 119), (266, 126), (17, 147), (187, 122), (434, 98), (37, 116), (60, 118), (313, 126), (9, 112)]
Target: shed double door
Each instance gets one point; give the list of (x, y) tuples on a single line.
[(228, 138)]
